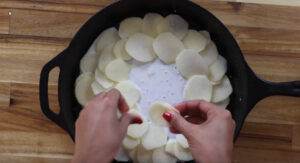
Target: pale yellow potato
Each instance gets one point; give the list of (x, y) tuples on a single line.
[(117, 70), (198, 87), (130, 26), (83, 90)]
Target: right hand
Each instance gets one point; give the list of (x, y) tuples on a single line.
[(210, 135)]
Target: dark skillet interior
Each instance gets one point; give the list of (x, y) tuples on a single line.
[(197, 17)]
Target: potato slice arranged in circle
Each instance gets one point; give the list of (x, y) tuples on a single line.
[(161, 156), (198, 87), (224, 103), (143, 155), (130, 143), (210, 53), (222, 91), (190, 63), (157, 110), (130, 26), (176, 150), (195, 40), (120, 51), (89, 61), (150, 24), (103, 80), (182, 141), (174, 24), (97, 88), (117, 70), (154, 138), (106, 38), (138, 130), (139, 47), (83, 89), (130, 92), (106, 57), (218, 69), (167, 47)]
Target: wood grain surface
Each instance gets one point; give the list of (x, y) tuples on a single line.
[(34, 31)]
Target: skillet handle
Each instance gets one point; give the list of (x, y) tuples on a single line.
[(284, 88), (44, 101)]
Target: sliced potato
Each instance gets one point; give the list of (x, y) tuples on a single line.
[(174, 24), (154, 138), (170, 146), (195, 40), (174, 149), (161, 156), (117, 70), (167, 47), (190, 63), (129, 91), (130, 143), (222, 91), (120, 51), (97, 88), (106, 57), (157, 110), (206, 34), (210, 53), (144, 155), (182, 141), (138, 130), (198, 87), (224, 103), (107, 37), (103, 80), (139, 47), (132, 154), (182, 153), (83, 90), (130, 26), (89, 61), (218, 69), (150, 24), (121, 155)]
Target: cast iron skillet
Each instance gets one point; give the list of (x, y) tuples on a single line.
[(248, 89)]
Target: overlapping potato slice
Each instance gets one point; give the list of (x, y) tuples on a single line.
[(182, 141), (139, 47), (167, 47), (117, 70), (195, 40), (222, 91), (174, 24), (210, 53), (106, 57), (130, 26), (150, 24), (198, 87), (83, 90), (218, 69), (154, 138), (120, 51), (190, 63), (173, 148), (106, 38), (161, 156), (129, 91)]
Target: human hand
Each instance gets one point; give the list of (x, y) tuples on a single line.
[(208, 129), (99, 132)]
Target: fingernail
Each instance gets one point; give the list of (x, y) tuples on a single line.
[(168, 116), (137, 120)]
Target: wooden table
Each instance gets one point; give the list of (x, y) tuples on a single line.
[(34, 31)]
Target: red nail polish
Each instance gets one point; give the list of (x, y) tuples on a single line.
[(137, 120), (168, 116)]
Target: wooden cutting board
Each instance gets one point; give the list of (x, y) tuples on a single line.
[(34, 31)]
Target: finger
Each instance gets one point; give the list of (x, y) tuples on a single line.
[(178, 123), (196, 108), (114, 96), (128, 119), (123, 107)]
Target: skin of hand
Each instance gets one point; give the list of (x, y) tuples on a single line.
[(99, 132), (208, 128)]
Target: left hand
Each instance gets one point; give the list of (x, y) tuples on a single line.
[(99, 132)]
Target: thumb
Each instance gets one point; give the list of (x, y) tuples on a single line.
[(178, 123), (127, 119)]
